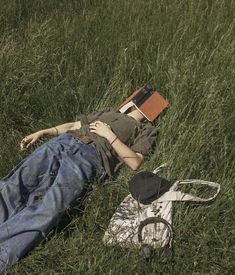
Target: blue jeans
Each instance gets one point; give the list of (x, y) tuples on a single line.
[(36, 193)]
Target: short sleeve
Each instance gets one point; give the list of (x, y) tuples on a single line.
[(145, 140)]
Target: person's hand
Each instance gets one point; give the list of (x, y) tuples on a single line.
[(29, 140), (102, 129)]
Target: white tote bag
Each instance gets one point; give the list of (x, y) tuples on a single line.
[(139, 225)]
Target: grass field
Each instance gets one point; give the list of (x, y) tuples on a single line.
[(60, 58)]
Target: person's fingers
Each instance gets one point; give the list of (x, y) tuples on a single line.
[(93, 131), (32, 141), (26, 139), (99, 123), (95, 127), (92, 126), (24, 144), (23, 140), (95, 123)]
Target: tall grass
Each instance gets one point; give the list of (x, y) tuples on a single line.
[(62, 58)]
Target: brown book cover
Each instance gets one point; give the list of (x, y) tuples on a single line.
[(151, 107)]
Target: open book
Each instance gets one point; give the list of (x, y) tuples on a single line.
[(150, 103)]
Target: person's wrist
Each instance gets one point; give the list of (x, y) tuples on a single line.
[(42, 133), (111, 138), (56, 131)]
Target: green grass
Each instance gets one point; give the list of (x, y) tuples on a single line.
[(62, 58)]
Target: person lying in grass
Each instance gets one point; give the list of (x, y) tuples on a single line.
[(35, 194)]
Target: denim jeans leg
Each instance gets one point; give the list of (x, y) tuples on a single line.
[(16, 187), (22, 231)]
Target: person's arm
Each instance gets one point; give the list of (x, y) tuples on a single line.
[(54, 131), (131, 158)]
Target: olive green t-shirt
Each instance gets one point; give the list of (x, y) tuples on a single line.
[(140, 137)]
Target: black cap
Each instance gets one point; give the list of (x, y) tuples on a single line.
[(146, 187)]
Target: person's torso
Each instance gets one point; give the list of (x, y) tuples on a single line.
[(123, 126)]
